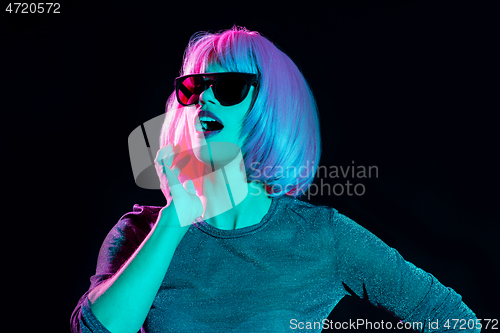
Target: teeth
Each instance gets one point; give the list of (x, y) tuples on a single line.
[(201, 125), (205, 118), (204, 124)]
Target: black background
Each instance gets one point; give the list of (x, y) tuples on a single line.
[(408, 86)]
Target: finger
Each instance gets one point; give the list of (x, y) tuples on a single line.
[(189, 186), (159, 162), (172, 178), (159, 168), (169, 161), (163, 153), (160, 171), (176, 171), (174, 185)]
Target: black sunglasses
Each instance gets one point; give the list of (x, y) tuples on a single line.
[(230, 88)]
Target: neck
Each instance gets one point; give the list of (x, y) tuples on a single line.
[(230, 202)]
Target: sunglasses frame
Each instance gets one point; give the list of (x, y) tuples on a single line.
[(250, 79)]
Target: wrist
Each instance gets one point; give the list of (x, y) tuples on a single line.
[(168, 219)]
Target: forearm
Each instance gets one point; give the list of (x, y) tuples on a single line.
[(122, 302), (443, 310)]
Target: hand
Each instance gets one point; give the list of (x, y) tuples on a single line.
[(188, 205)]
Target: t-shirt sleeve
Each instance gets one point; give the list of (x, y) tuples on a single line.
[(370, 269), (120, 243)]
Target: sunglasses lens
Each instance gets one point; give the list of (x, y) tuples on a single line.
[(190, 90), (231, 89)]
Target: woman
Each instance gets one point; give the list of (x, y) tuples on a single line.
[(234, 250)]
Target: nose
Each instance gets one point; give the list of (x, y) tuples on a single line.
[(207, 96)]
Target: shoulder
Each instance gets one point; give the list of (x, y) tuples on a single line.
[(308, 212), (126, 235), (295, 204), (140, 217), (322, 219), (137, 222), (307, 217)]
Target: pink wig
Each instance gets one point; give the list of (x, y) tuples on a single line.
[(282, 143)]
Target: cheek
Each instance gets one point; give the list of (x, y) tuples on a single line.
[(241, 109), (237, 120)]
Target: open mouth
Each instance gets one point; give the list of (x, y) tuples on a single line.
[(208, 123)]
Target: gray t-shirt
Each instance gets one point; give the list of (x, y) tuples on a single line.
[(293, 267)]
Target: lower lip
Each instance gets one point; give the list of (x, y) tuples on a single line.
[(207, 134)]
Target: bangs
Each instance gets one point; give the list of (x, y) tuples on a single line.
[(233, 51)]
